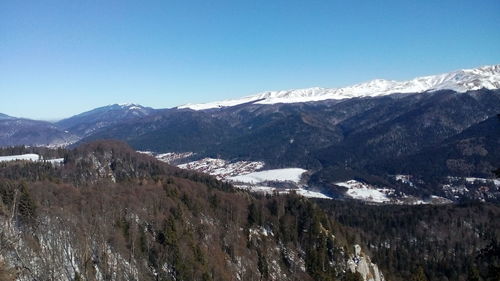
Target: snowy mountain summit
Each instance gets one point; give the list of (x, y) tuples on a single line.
[(460, 81), (88, 122), (136, 109)]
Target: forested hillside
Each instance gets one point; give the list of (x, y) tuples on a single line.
[(449, 242), (109, 213)]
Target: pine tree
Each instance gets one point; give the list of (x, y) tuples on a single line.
[(27, 207), (473, 274), (419, 275)]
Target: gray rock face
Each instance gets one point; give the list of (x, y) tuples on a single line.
[(361, 263)]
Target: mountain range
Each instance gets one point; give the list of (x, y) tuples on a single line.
[(460, 81), (431, 128)]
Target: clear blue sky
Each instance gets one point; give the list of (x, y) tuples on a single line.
[(59, 58)]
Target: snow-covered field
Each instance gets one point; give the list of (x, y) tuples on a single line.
[(248, 175), (245, 175), (369, 193), (280, 175), (25, 157), (256, 181), (310, 194), (29, 157), (362, 191)]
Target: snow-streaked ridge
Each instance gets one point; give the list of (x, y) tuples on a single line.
[(460, 81)]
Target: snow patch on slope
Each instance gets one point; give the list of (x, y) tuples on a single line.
[(245, 175), (30, 157), (362, 191), (172, 157), (23, 157), (482, 180), (273, 190), (56, 161), (223, 169), (460, 81), (287, 174)]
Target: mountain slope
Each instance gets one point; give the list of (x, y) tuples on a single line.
[(111, 213), (289, 134), (169, 130), (86, 123), (18, 131), (459, 81), (408, 125), (472, 153), (333, 139)]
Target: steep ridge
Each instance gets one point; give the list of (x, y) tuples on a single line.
[(487, 77)]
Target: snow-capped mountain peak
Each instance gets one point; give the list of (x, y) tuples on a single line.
[(460, 81), (124, 108), (130, 105)]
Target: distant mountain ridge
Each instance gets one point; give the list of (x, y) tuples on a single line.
[(20, 131), (459, 81), (88, 122)]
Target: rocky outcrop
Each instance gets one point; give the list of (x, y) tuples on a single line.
[(360, 262)]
